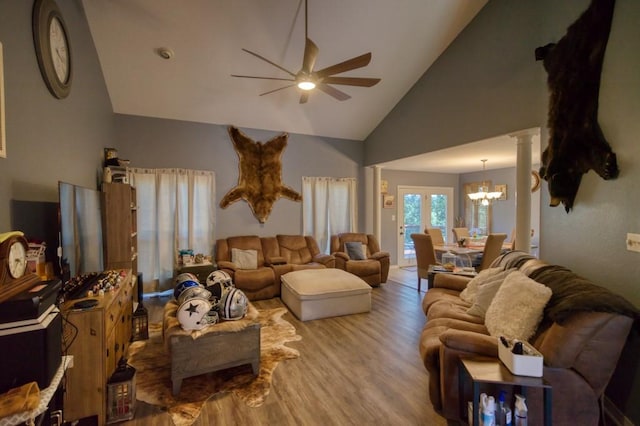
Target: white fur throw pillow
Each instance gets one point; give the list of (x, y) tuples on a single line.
[(244, 259), (485, 276), (517, 308)]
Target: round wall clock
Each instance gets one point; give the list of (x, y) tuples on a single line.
[(53, 49)]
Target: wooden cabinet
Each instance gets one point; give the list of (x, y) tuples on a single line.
[(97, 338), (119, 227)]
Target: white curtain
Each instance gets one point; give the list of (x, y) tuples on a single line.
[(176, 210), (329, 207)]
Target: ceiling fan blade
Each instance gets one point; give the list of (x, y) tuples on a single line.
[(275, 90), (352, 81), (332, 91), (269, 62), (264, 78), (304, 97), (310, 54), (348, 65)]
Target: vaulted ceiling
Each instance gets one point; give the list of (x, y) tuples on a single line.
[(206, 38)]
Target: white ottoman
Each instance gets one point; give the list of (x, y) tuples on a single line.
[(322, 293)]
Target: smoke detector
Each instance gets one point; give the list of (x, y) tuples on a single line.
[(165, 52)]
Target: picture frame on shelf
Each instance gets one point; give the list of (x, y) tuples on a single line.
[(3, 133), (503, 189)]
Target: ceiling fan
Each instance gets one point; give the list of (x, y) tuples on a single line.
[(308, 79)]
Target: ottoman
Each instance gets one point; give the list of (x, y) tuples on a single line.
[(322, 293)]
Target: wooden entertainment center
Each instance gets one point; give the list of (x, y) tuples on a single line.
[(99, 336), (102, 337)]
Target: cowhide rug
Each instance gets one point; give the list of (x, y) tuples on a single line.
[(153, 371)]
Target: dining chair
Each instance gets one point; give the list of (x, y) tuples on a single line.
[(492, 249), (425, 255), (459, 233), (436, 236)]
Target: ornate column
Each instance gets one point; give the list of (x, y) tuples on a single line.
[(377, 204), (524, 141)]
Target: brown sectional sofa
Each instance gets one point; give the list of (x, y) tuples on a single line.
[(581, 335), (275, 256)]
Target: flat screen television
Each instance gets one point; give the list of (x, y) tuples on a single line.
[(80, 230)]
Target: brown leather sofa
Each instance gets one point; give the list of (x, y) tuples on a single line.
[(374, 268), (582, 332), (275, 256)]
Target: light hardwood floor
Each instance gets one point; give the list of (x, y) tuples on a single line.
[(353, 370)]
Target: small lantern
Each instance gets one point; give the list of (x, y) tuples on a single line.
[(121, 393), (140, 327)]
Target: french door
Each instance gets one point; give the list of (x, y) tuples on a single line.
[(421, 207)]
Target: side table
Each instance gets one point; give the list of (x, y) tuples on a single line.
[(437, 269), (492, 370), (200, 270), (28, 417)]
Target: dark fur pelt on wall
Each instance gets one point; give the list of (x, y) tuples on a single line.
[(260, 179), (576, 141)]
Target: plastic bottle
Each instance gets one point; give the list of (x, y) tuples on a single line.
[(503, 413), (520, 410), (489, 412)]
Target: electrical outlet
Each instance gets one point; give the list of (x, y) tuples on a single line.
[(633, 242)]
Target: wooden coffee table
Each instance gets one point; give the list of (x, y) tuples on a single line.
[(216, 347)]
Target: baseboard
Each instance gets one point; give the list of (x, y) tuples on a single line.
[(613, 415)]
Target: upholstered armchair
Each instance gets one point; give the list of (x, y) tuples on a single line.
[(243, 259), (360, 254)]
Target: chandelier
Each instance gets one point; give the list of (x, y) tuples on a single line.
[(483, 196)]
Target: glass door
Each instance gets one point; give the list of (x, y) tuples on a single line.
[(421, 207)]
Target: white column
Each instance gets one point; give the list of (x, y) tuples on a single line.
[(377, 203), (524, 141)]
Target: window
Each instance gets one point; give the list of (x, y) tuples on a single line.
[(176, 210), (328, 208)]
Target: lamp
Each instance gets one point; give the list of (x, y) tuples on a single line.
[(483, 196), (121, 393)]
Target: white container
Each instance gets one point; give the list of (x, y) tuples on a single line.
[(530, 364), (520, 411)]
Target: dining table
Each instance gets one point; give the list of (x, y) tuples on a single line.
[(456, 249)]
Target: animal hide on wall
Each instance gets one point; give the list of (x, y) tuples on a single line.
[(576, 142), (260, 174)]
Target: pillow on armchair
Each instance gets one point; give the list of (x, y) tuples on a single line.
[(244, 259), (355, 250)]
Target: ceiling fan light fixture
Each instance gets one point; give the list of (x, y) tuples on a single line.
[(306, 85)]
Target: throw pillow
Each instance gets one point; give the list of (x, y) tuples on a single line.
[(469, 293), (355, 250), (244, 259), (517, 308), (484, 296)]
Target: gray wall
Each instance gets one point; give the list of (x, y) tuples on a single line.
[(149, 142), (49, 139), (487, 84)]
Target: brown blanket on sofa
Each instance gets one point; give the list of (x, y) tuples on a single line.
[(572, 293)]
